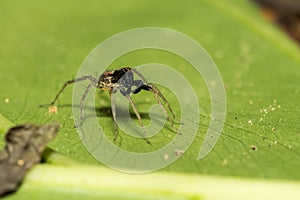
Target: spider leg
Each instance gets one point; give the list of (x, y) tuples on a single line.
[(151, 87), (139, 75), (139, 118), (158, 94), (91, 78), (156, 91), (113, 110), (88, 88)]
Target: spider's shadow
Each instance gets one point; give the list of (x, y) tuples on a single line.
[(105, 111)]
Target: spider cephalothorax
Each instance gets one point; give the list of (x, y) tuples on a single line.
[(121, 80)]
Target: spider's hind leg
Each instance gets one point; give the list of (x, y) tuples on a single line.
[(157, 95)]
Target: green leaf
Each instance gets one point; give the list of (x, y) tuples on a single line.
[(44, 44)]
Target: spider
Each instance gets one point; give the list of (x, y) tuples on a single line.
[(121, 80)]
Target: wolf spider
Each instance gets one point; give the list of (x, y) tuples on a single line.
[(123, 80)]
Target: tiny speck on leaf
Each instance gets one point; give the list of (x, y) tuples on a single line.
[(178, 152), (53, 109), (166, 157), (254, 148), (225, 162)]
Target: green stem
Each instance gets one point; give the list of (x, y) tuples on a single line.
[(92, 182)]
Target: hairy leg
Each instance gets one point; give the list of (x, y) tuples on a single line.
[(113, 110), (151, 87), (82, 100), (139, 118), (91, 78)]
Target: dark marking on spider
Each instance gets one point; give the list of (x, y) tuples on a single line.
[(121, 80)]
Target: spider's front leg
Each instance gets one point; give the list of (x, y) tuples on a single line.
[(70, 82), (82, 100), (114, 114)]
